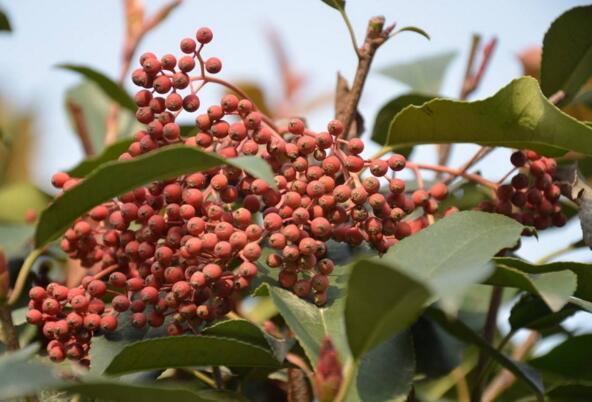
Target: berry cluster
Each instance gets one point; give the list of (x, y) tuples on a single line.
[(532, 196), (179, 252)]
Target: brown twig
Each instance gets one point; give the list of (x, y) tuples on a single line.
[(505, 378), (80, 127), (488, 335), (376, 35)]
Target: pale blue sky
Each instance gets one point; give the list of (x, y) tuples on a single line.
[(89, 32)]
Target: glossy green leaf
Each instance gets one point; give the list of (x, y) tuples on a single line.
[(16, 199), (4, 22), (458, 329), (567, 53), (570, 359), (458, 249), (386, 294), (533, 313), (99, 186), (109, 87), (336, 4), (554, 287), (424, 75), (381, 301), (186, 351), (389, 111), (110, 153), (583, 272), (518, 116)]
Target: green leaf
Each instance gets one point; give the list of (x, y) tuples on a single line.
[(570, 359), (416, 30), (100, 186), (16, 199), (533, 313), (4, 22), (336, 4), (389, 111), (386, 294), (424, 75), (109, 87), (111, 153), (383, 374), (186, 351), (518, 116), (457, 250), (554, 288), (381, 301), (583, 272), (567, 53), (464, 333)]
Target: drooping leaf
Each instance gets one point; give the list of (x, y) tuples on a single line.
[(109, 87), (186, 351), (567, 53), (110, 153), (4, 22), (383, 374), (19, 198), (458, 249), (554, 287), (95, 106), (389, 111), (99, 185), (570, 359), (386, 294), (517, 116), (417, 30), (381, 301), (336, 4), (583, 272), (461, 331), (424, 75), (533, 313)]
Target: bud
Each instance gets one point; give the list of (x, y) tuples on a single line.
[(4, 277), (328, 374)]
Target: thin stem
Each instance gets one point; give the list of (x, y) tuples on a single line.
[(203, 377), (81, 128), (350, 30), (488, 335), (375, 37), (455, 172), (557, 253), (21, 279), (9, 330)]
